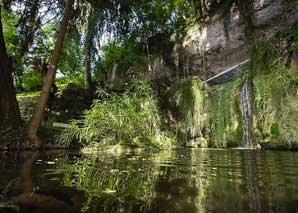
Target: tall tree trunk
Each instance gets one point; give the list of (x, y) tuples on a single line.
[(88, 52), (9, 109), (88, 81), (37, 118)]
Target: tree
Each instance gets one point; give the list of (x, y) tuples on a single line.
[(88, 51), (9, 109), (27, 26), (37, 117)]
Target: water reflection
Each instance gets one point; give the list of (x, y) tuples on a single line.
[(186, 180)]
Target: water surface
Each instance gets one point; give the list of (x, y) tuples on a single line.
[(186, 180)]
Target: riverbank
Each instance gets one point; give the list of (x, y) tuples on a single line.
[(14, 140)]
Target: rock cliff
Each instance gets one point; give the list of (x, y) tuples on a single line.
[(222, 42)]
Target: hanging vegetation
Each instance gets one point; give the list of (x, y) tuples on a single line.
[(224, 116), (189, 98)]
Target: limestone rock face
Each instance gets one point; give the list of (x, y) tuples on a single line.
[(218, 45), (206, 50), (270, 15), (221, 43), (210, 49)]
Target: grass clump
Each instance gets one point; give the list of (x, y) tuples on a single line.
[(130, 118)]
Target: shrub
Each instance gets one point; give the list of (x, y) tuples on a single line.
[(32, 81), (131, 118)]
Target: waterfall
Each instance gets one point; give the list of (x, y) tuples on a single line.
[(246, 111)]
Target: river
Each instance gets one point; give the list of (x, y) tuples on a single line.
[(182, 180)]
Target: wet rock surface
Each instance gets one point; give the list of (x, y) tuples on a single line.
[(278, 146), (270, 15)]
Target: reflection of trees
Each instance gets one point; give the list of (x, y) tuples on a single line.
[(112, 184), (175, 181), (24, 193), (181, 186), (34, 201), (202, 181), (162, 182)]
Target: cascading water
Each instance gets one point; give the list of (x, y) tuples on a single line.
[(246, 111)]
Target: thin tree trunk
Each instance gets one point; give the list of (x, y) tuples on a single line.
[(88, 52), (9, 109), (37, 118), (88, 81)]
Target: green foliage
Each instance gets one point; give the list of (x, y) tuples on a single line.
[(62, 82), (9, 20), (223, 112), (130, 118), (190, 99), (275, 132), (123, 53), (275, 87), (209, 113), (292, 37), (272, 93), (71, 62), (120, 179), (264, 136), (32, 81), (29, 94), (161, 16), (238, 131), (263, 57)]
